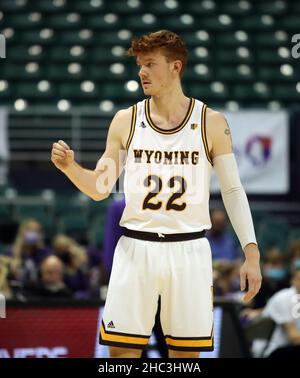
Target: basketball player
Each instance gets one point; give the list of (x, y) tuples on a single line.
[(172, 142)]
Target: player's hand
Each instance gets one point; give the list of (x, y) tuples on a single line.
[(61, 155), (250, 274)]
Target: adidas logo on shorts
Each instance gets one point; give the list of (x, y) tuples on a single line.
[(111, 325)]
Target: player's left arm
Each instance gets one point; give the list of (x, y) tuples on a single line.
[(234, 199)]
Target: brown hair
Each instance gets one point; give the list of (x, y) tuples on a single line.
[(294, 249), (168, 42), (18, 244)]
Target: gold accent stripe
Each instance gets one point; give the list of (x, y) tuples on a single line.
[(176, 129), (132, 127), (122, 339), (190, 343), (203, 131)]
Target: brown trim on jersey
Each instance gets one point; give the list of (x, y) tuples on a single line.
[(192, 349), (132, 126), (175, 129), (121, 345), (203, 132), (191, 339)]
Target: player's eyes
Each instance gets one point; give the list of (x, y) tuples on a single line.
[(148, 65)]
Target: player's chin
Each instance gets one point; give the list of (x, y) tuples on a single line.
[(147, 92)]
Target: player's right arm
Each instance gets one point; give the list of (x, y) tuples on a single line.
[(97, 183)]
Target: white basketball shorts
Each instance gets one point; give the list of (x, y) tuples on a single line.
[(180, 273)]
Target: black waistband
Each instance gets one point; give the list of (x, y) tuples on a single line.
[(160, 237)]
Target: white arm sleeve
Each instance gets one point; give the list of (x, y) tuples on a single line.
[(234, 198)]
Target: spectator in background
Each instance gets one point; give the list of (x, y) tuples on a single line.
[(294, 255), (29, 249), (113, 232), (284, 309), (275, 276), (8, 268), (50, 284), (75, 263), (95, 270), (226, 279), (223, 244)]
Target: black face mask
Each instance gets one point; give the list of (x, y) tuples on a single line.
[(65, 257)]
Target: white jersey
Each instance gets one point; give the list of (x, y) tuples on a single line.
[(282, 307), (167, 173)]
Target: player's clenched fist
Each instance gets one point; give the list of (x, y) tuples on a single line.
[(61, 155)]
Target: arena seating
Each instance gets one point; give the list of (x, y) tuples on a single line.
[(240, 51)]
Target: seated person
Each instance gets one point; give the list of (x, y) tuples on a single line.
[(223, 244), (75, 265), (8, 269), (226, 280), (275, 277), (50, 284), (294, 254), (29, 249), (284, 309)]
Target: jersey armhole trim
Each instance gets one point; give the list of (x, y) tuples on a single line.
[(203, 133), (132, 127)]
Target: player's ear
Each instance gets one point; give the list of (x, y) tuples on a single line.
[(177, 66)]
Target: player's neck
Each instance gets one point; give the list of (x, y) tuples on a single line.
[(170, 104)]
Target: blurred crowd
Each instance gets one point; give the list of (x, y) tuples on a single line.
[(65, 269), (32, 270), (271, 321), (277, 265)]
